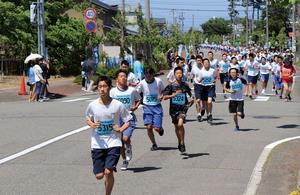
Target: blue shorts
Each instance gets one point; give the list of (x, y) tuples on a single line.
[(277, 82), (105, 159), (128, 132), (223, 77), (153, 115), (198, 90), (208, 91), (252, 79), (264, 77)]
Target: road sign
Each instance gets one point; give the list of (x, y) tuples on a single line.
[(90, 13), (90, 25)]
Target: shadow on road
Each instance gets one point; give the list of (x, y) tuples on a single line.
[(289, 126), (249, 129), (56, 96), (143, 169), (187, 156), (167, 148), (140, 128), (266, 117), (220, 123)]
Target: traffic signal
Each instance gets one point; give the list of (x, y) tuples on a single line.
[(33, 13)]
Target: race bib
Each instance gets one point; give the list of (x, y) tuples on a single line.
[(126, 100), (151, 100), (179, 99), (207, 80), (105, 128)]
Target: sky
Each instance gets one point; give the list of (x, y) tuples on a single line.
[(201, 10)]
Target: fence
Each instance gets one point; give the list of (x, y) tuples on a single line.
[(12, 67)]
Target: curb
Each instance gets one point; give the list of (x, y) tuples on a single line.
[(256, 175)]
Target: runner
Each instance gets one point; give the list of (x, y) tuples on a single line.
[(276, 74), (103, 115), (179, 63), (179, 104), (131, 100), (287, 73), (195, 73), (234, 86), (131, 80), (265, 69), (208, 79), (224, 67), (253, 71), (152, 89)]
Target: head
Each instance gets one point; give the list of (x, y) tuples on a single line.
[(180, 61), (149, 74), (104, 86), (201, 53), (280, 59), (210, 55), (199, 59), (206, 63), (124, 65), (121, 78), (224, 57), (178, 72), (234, 60), (251, 56), (263, 60), (233, 73)]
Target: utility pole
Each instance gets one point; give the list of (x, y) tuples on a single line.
[(173, 14), (193, 22), (41, 28), (123, 15), (294, 29), (181, 18), (247, 23), (147, 10), (147, 15), (267, 24)]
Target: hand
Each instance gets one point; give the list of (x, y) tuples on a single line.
[(117, 128), (132, 109), (160, 98), (177, 92), (94, 125)]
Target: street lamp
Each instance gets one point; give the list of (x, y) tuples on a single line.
[(2, 53)]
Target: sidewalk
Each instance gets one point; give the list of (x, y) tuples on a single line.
[(58, 88)]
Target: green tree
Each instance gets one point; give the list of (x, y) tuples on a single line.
[(216, 26)]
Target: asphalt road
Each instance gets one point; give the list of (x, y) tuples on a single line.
[(218, 160)]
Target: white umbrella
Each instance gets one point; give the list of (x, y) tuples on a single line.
[(32, 56)]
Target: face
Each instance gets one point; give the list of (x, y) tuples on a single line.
[(124, 67), (210, 56), (103, 89), (263, 60), (280, 60), (234, 61), (206, 64), (178, 75), (180, 63), (122, 79), (233, 73), (149, 77), (224, 57), (199, 61)]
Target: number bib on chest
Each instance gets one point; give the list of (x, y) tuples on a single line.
[(151, 100), (179, 99), (106, 127), (125, 99)]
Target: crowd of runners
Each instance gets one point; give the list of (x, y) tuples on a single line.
[(239, 70)]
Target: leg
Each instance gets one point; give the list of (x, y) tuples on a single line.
[(235, 119), (150, 133), (109, 181)]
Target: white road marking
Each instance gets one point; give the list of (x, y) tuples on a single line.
[(36, 147), (261, 99), (75, 100), (258, 169)]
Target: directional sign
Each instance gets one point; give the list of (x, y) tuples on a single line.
[(90, 13), (90, 26)]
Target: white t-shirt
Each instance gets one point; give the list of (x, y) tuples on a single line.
[(151, 91), (224, 66), (131, 78), (208, 76), (276, 69), (37, 73), (196, 71), (171, 75), (265, 68), (128, 97), (108, 115), (253, 68), (237, 87), (237, 66), (214, 64)]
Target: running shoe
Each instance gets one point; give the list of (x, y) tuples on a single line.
[(263, 92), (124, 165), (289, 97), (280, 97), (154, 147), (237, 128), (161, 132), (181, 148), (128, 153), (199, 118), (250, 96), (209, 119)]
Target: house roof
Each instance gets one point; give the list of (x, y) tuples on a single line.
[(105, 6)]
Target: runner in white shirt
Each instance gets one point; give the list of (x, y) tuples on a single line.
[(224, 67), (103, 116), (179, 63), (265, 69), (131, 100), (131, 80), (152, 89), (195, 73), (208, 79), (253, 71)]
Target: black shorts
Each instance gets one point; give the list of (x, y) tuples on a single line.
[(105, 159), (252, 79), (223, 76), (198, 91), (208, 91), (236, 106), (175, 117)]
